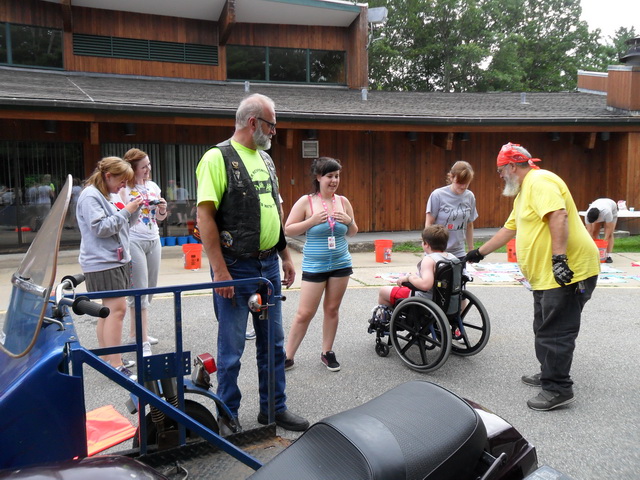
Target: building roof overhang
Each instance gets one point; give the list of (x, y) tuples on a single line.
[(333, 107), (336, 13)]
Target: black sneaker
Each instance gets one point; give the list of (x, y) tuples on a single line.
[(532, 380), (329, 359), (609, 260), (547, 400), (288, 363)]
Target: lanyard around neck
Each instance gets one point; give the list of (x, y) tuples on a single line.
[(330, 218)]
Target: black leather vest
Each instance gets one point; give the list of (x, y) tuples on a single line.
[(238, 214)]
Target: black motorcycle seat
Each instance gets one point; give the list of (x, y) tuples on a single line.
[(417, 430)]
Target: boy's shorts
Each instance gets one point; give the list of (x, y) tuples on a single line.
[(399, 293)]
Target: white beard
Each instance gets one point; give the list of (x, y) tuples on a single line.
[(262, 140), (511, 187)]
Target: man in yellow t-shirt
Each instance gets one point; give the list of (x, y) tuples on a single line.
[(560, 261), (240, 228)]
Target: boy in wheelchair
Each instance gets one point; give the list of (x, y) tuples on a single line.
[(434, 242), (430, 314)]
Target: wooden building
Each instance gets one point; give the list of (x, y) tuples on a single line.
[(82, 79)]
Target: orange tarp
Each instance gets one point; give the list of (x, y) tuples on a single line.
[(106, 427)]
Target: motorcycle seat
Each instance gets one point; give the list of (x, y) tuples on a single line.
[(417, 430)]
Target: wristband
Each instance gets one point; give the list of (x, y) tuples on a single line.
[(350, 223)]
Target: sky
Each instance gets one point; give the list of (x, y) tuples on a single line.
[(608, 15)]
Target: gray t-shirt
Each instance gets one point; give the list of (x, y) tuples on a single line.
[(454, 212), (608, 210)]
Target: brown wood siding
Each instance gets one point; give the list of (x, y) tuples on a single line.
[(290, 36), (357, 55), (31, 12), (142, 26), (624, 88), (595, 82)]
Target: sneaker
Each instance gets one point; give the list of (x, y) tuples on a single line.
[(146, 349), (547, 400), (329, 359), (128, 363), (124, 370), (152, 340), (251, 334), (288, 363), (532, 380), (609, 260)]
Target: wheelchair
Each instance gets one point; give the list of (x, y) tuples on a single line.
[(425, 332)]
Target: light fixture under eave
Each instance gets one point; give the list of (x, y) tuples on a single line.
[(605, 136), (465, 137), (129, 129), (412, 136), (312, 134), (555, 136), (50, 126)]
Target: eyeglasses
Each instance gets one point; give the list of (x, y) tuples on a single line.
[(500, 169), (272, 126)]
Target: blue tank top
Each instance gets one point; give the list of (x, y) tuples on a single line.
[(317, 257)]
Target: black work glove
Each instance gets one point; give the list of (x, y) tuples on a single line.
[(474, 256), (561, 271)]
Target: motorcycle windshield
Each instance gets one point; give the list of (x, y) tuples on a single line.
[(33, 281)]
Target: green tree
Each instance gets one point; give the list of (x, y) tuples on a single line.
[(429, 45), (608, 50), (486, 45)]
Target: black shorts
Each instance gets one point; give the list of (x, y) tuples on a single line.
[(324, 276)]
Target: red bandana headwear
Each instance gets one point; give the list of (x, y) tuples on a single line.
[(514, 153)]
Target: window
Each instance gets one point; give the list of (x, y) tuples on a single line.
[(29, 46), (327, 66), (3, 43), (286, 65), (246, 63)]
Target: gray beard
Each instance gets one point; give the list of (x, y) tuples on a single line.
[(262, 140), (511, 187)]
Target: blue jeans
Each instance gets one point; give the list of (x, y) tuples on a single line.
[(232, 324), (556, 325)]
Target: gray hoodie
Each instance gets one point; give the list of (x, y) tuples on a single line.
[(104, 228)]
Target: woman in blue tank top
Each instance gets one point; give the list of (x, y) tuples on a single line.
[(326, 219)]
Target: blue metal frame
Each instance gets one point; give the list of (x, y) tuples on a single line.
[(155, 366)]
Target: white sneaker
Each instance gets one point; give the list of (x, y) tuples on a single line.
[(128, 363), (152, 340), (146, 349)]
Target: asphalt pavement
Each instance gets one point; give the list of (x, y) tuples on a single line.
[(596, 437)]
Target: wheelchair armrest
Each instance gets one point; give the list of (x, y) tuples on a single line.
[(412, 287)]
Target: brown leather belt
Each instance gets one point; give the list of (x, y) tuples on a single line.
[(262, 254)]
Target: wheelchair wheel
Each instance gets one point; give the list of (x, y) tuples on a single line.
[(421, 334), (382, 349), (473, 327)]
